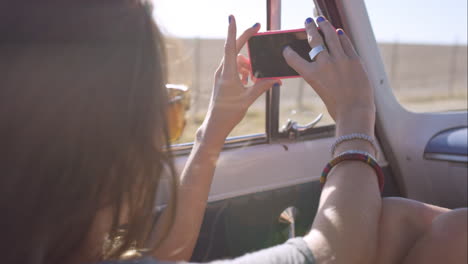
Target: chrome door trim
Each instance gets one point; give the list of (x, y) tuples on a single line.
[(446, 157), (231, 142)]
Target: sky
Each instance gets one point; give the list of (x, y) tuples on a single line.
[(405, 21)]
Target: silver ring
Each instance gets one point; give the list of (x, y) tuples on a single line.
[(316, 51)]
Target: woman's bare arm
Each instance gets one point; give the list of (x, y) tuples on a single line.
[(345, 229), (229, 103), (192, 195)]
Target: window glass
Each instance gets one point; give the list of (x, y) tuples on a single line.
[(195, 32), (424, 47), (299, 102)]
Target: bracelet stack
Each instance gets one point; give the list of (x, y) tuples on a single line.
[(356, 156)]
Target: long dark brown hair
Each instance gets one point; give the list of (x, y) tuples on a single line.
[(82, 126)]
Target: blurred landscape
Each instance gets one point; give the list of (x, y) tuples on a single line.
[(424, 78)]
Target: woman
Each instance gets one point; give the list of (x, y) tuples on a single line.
[(84, 141)]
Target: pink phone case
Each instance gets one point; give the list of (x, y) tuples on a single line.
[(272, 32)]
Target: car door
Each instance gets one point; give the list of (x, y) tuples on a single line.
[(421, 104), (268, 168)]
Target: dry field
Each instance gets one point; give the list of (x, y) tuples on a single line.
[(423, 78)]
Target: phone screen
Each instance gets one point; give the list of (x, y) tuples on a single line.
[(266, 53)]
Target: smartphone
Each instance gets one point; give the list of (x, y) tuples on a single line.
[(266, 53)]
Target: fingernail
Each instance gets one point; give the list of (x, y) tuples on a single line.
[(320, 19), (256, 25), (285, 47), (276, 85), (340, 32), (308, 20), (230, 18)]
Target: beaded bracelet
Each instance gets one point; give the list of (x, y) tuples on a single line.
[(353, 136), (358, 156)]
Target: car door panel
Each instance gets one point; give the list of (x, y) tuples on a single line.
[(254, 184), (404, 134), (258, 168), (253, 169)]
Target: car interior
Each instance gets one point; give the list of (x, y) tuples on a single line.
[(266, 187)]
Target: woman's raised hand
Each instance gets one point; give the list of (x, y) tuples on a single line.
[(337, 75), (230, 98)]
